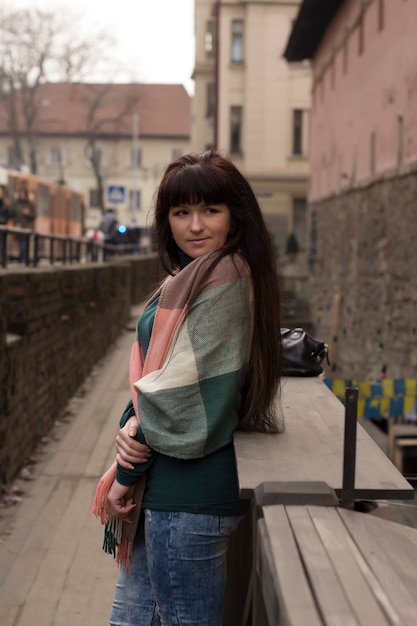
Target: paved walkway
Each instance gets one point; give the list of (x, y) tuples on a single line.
[(52, 568)]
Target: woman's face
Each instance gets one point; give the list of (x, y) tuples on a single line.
[(199, 228)]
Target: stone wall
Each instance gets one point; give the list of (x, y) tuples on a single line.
[(55, 325), (363, 281)]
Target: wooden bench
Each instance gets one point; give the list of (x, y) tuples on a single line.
[(328, 565), (302, 467)]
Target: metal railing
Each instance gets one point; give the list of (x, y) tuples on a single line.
[(30, 248)]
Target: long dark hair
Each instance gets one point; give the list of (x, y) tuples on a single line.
[(213, 179)]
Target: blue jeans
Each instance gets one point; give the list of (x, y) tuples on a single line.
[(178, 571)]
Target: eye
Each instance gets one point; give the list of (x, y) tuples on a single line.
[(179, 211)]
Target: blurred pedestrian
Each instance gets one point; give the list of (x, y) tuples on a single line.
[(108, 226), (23, 213), (4, 213)]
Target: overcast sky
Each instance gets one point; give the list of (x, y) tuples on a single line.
[(155, 38)]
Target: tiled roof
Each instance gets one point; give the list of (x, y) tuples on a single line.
[(163, 110)]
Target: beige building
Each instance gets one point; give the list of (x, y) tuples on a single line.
[(136, 129), (252, 104)]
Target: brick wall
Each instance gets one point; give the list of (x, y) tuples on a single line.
[(363, 288), (55, 324)]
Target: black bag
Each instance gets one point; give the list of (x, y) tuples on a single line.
[(302, 353)]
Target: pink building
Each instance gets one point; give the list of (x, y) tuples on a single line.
[(363, 185), (364, 98)]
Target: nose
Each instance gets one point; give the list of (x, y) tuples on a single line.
[(196, 224)]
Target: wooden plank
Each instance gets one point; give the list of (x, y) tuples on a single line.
[(343, 563), (327, 587), (275, 609), (311, 447), (282, 572), (390, 551)]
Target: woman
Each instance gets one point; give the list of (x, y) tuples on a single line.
[(207, 360)]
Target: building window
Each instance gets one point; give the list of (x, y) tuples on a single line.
[(237, 41), (134, 198), (345, 55), (136, 157), (210, 100), (297, 132), (56, 157), (300, 221), (177, 153), (354, 163), (321, 88), (361, 36), (209, 38), (76, 208), (12, 158), (94, 156), (333, 73), (381, 15), (94, 198), (236, 130), (400, 148), (372, 152)]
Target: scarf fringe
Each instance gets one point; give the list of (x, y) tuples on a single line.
[(113, 543), (99, 506), (123, 554)]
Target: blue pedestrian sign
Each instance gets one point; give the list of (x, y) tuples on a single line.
[(116, 194)]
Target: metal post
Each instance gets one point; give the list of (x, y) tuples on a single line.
[(349, 449)]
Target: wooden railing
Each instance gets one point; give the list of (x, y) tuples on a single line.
[(50, 248)]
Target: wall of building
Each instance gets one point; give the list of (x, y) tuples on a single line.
[(268, 89), (265, 85), (116, 170), (202, 125), (55, 325), (363, 269), (364, 116)]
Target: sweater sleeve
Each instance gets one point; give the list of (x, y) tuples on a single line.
[(128, 477), (128, 412)]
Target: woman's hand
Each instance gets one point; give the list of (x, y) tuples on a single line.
[(129, 450), (120, 501)]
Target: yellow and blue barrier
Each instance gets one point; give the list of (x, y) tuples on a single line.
[(384, 398)]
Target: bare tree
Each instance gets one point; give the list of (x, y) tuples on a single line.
[(37, 47), (98, 96)]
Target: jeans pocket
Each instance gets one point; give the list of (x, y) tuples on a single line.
[(227, 524)]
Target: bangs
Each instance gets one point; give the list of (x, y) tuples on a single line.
[(195, 185)]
